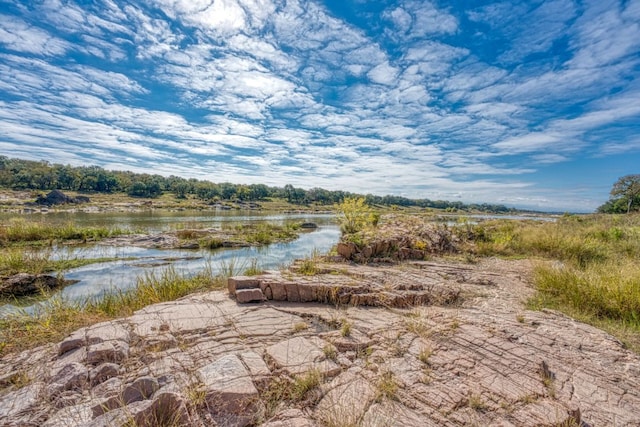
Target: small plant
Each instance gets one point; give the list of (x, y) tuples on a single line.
[(345, 329), (387, 387), (303, 384), (424, 355), (18, 379), (330, 352), (196, 395), (520, 318), (253, 269), (300, 326), (548, 379), (211, 243), (309, 266), (455, 324), (417, 326), (476, 403), (355, 215)]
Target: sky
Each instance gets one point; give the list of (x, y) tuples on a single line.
[(531, 104)]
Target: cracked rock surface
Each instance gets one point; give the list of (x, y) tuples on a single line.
[(205, 360)]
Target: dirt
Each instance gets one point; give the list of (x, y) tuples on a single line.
[(479, 359)]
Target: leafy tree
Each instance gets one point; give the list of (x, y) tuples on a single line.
[(625, 193)]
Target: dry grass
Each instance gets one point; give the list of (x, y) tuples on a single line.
[(55, 319), (595, 275)]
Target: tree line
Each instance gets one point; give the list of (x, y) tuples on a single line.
[(19, 174)]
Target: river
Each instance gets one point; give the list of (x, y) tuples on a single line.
[(96, 279)]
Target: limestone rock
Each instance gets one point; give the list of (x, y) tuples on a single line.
[(103, 372), (299, 355), (141, 389), (230, 393), (23, 284), (242, 282), (107, 351), (249, 295), (72, 376), (347, 400)]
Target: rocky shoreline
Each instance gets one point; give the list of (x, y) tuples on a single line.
[(477, 359)]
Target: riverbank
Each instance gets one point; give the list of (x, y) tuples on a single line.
[(479, 359), (414, 322), (13, 201)]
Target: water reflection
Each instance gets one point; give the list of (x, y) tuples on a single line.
[(96, 279)]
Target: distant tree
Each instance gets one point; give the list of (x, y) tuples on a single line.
[(625, 193)]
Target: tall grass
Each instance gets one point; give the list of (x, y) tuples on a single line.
[(597, 278), (15, 260), (53, 320), (18, 230)]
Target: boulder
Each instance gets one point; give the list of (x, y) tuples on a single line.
[(249, 295), (231, 395), (57, 197), (23, 284)]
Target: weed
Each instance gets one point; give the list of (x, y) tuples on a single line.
[(20, 230), (211, 243), (196, 394), (417, 326), (520, 318), (387, 387), (424, 355), (330, 352), (304, 383), (18, 379), (548, 379), (253, 269), (476, 403), (455, 324), (300, 326), (55, 319), (282, 390), (345, 329)]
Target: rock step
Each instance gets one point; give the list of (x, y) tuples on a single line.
[(334, 289), (242, 282), (249, 295)]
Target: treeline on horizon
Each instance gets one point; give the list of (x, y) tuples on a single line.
[(19, 174)]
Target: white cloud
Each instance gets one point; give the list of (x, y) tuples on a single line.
[(383, 74), (18, 36)]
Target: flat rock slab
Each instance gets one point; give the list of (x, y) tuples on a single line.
[(242, 282), (346, 401), (299, 355), (230, 393), (244, 296), (484, 361)]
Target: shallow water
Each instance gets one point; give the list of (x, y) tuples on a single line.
[(96, 279)]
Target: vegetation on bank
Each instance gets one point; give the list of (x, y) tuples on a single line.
[(19, 231), (57, 318), (18, 174), (594, 275), (589, 264)]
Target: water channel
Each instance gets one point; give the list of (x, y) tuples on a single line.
[(121, 274)]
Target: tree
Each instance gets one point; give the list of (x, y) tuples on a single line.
[(625, 192)]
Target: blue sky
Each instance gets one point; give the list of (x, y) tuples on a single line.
[(532, 104)]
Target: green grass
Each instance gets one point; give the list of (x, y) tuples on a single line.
[(55, 319), (38, 261), (20, 231), (595, 273)]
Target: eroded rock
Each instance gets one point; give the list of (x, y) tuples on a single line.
[(206, 360)]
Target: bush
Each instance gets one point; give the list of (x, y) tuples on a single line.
[(355, 215)]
